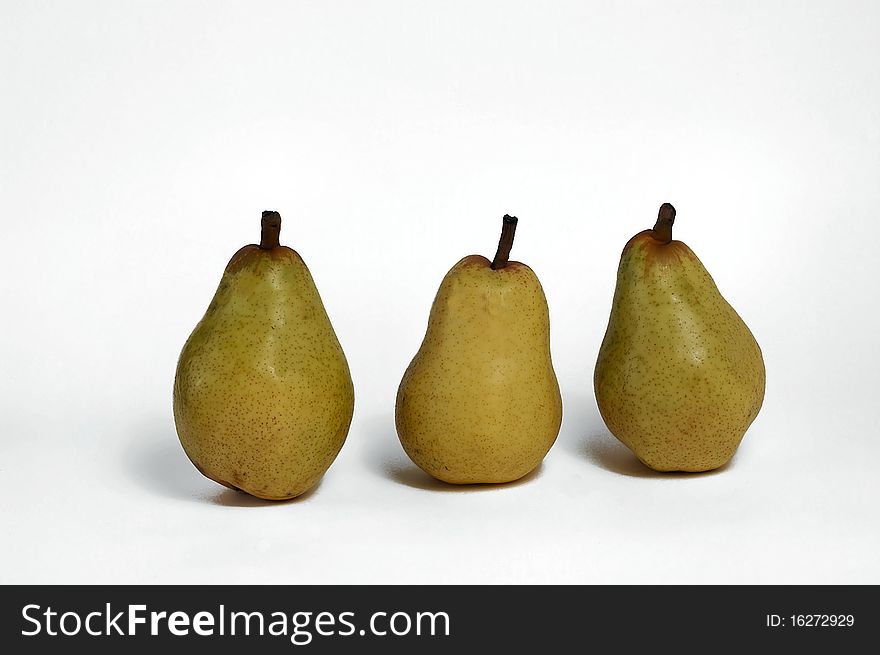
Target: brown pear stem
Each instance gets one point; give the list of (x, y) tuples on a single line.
[(505, 243), (663, 227), (271, 230)]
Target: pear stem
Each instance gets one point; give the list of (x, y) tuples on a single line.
[(270, 231), (505, 243), (663, 227)]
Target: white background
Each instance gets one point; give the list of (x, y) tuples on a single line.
[(139, 142)]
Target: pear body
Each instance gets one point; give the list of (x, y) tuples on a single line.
[(480, 402), (263, 397), (679, 377)]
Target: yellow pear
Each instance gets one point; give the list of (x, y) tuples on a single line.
[(679, 377), (263, 397), (480, 402)]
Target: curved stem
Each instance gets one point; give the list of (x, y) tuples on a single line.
[(663, 227), (270, 231), (505, 243)]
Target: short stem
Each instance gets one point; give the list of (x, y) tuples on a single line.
[(663, 227), (508, 229), (271, 230)]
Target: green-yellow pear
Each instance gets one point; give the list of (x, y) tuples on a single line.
[(263, 397), (679, 377), (480, 402)]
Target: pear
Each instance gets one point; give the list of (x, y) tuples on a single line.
[(263, 397), (480, 402), (679, 378)]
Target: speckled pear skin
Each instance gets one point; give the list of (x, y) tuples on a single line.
[(480, 402), (679, 378), (263, 397)]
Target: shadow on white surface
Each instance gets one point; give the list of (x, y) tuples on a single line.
[(155, 460), (385, 456), (606, 452)]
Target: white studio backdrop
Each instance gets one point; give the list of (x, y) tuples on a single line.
[(140, 141)]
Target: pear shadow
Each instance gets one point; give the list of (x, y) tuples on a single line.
[(155, 461), (579, 416), (384, 454), (606, 452)]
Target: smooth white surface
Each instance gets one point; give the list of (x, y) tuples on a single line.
[(140, 141)]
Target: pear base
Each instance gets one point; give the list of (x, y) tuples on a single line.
[(256, 494), (684, 468), (665, 462), (488, 482)]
